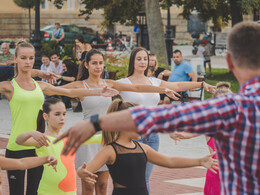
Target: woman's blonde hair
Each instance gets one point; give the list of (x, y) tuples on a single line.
[(20, 44), (117, 105), (156, 61), (222, 88)]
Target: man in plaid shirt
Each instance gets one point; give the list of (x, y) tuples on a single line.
[(233, 119)]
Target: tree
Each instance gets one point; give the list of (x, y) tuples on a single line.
[(219, 11), (27, 4), (155, 29), (126, 12)]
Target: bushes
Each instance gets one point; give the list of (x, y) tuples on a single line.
[(117, 64), (67, 51)]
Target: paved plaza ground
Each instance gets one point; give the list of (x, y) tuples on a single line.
[(163, 181)]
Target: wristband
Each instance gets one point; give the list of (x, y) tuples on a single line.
[(61, 77), (94, 119), (202, 84)]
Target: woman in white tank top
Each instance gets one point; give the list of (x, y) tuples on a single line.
[(137, 74)]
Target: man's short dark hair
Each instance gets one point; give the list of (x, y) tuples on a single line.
[(44, 55), (54, 52), (244, 44), (177, 51)]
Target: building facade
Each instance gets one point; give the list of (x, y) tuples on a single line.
[(14, 20)]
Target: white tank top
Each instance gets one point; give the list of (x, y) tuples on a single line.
[(144, 99)]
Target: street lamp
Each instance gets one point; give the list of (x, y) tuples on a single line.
[(36, 40), (168, 38)]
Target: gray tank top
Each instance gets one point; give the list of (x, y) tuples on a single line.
[(95, 104)]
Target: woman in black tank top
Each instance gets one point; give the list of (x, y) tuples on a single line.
[(126, 159)]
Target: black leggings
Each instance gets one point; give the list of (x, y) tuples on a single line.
[(16, 177)]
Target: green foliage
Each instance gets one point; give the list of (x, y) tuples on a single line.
[(27, 4), (219, 11), (117, 63), (68, 50), (162, 65), (126, 11), (122, 11), (48, 46), (222, 75), (58, 3)]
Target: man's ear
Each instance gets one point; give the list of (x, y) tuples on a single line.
[(229, 61)]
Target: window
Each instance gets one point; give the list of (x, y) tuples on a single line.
[(45, 5), (80, 6), (70, 4)]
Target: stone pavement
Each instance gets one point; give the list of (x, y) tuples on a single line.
[(163, 181)]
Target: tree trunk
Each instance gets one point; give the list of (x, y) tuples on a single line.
[(155, 30), (236, 12), (30, 28)]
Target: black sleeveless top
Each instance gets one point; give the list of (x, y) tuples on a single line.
[(128, 170)]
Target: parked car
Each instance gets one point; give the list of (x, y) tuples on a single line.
[(71, 31)]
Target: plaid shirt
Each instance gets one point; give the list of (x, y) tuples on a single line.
[(232, 119)]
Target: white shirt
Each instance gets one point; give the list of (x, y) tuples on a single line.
[(144, 99), (57, 70), (201, 50)]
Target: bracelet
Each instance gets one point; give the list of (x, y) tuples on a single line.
[(202, 84), (94, 119), (61, 77)]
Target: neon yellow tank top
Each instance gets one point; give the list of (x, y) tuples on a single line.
[(25, 106), (62, 182)]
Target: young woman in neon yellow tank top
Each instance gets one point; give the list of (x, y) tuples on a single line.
[(63, 181), (25, 97)]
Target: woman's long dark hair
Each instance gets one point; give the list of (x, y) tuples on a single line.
[(80, 38), (71, 68), (46, 108), (83, 71), (131, 66)]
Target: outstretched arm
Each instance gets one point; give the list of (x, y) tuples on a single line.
[(183, 86), (51, 77), (164, 118), (179, 162), (51, 90), (33, 138), (177, 136), (83, 130), (26, 163), (142, 88)]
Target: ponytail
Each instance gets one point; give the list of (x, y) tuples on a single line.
[(116, 105), (222, 88), (46, 108), (40, 122)]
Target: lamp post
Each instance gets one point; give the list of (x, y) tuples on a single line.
[(168, 38), (144, 38), (36, 40)]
